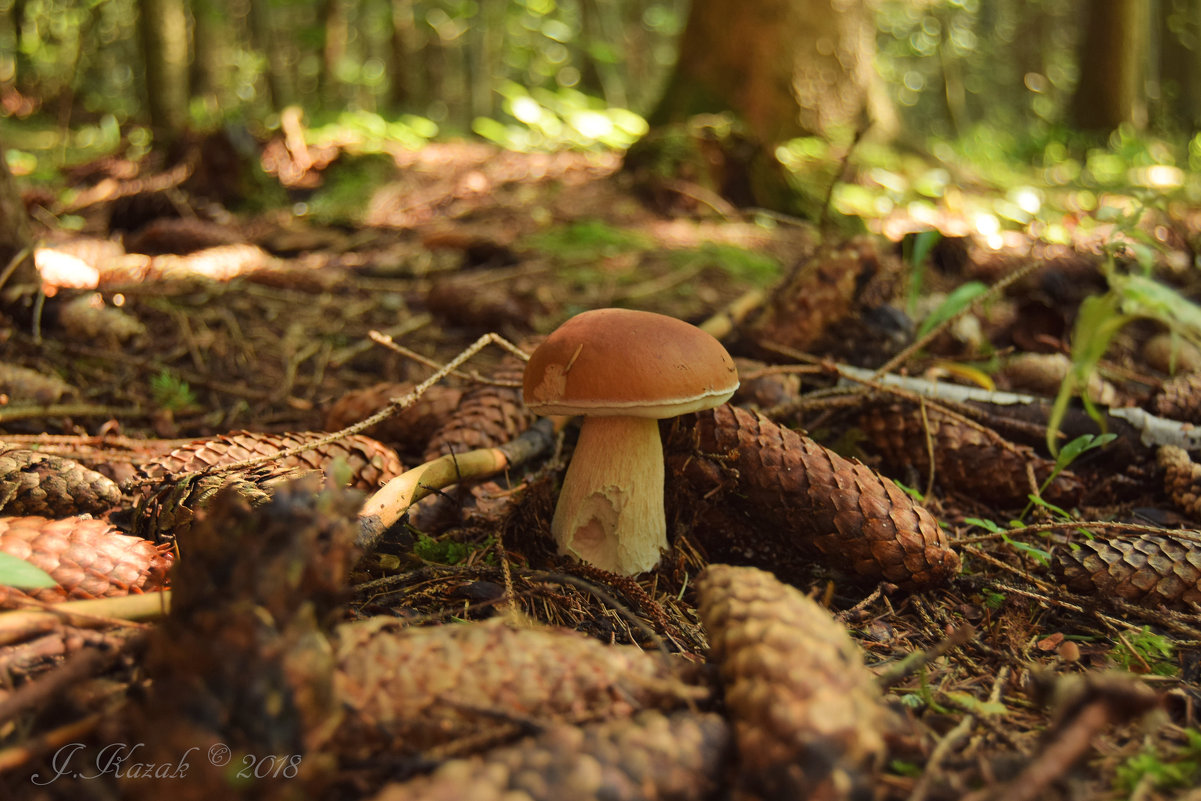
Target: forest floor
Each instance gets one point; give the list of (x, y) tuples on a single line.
[(1062, 661)]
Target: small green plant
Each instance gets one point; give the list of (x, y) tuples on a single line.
[(1130, 297), (18, 573), (171, 392), (1145, 650), (1175, 771), (447, 552)]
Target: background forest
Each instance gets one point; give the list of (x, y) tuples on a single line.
[(1003, 79)]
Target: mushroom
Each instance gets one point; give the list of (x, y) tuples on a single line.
[(623, 370)]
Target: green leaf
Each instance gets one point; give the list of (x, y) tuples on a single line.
[(923, 242), (18, 573), (985, 524), (1097, 322), (1050, 507), (1037, 554), (955, 302)]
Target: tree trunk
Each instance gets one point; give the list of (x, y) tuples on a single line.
[(1180, 63), (1111, 66), (786, 67), (336, 30), (15, 236), (163, 30), (402, 58), (210, 33), (262, 31)]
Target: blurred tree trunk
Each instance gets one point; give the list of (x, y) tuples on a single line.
[(163, 30), (484, 57), (336, 32), (263, 34), (785, 67), (1112, 54), (15, 236), (402, 56), (209, 32), (1180, 63)]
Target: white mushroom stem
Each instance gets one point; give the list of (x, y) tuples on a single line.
[(610, 511)]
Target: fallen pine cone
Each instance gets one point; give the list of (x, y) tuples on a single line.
[(1182, 479), (971, 460), (1180, 399), (412, 689), (33, 483), (1151, 569), (807, 715), (409, 429), (372, 464), (651, 757), (88, 558), (486, 416), (762, 494), (22, 385)]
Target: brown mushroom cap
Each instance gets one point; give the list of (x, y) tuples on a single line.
[(619, 362)]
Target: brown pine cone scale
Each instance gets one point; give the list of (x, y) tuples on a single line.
[(765, 495), (88, 558), (651, 757), (418, 688), (1152, 569), (372, 464), (409, 429), (486, 417), (807, 715), (1182, 479), (976, 462), (33, 483)]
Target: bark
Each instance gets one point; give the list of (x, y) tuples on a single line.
[(402, 58), (336, 28), (209, 32), (786, 67), (263, 33), (163, 30), (1111, 66), (1180, 63)]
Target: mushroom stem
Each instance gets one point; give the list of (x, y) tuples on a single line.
[(610, 510)]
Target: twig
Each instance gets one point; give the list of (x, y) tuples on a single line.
[(390, 502)]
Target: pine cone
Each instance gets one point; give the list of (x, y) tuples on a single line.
[(409, 429), (169, 511), (371, 463), (417, 688), (180, 235), (1180, 399), (87, 319), (88, 558), (1151, 569), (33, 483), (973, 461), (763, 494), (807, 716), (22, 385), (650, 757), (822, 290), (1182, 479), (486, 417), (764, 391)]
